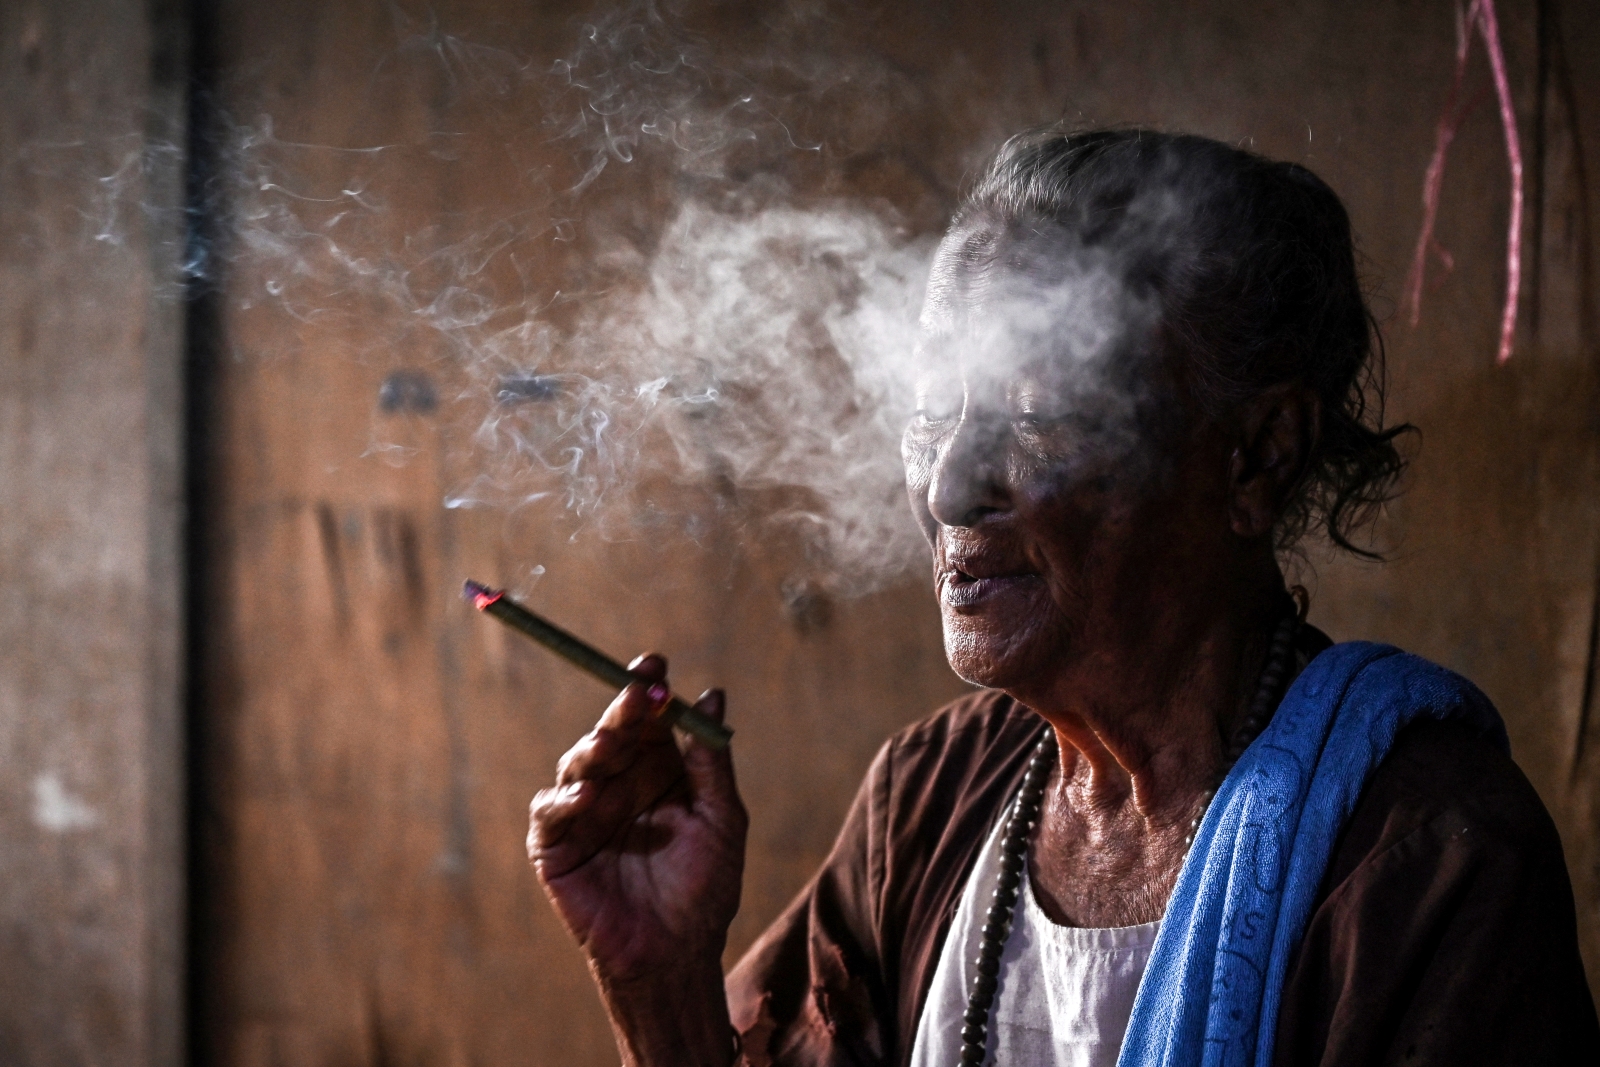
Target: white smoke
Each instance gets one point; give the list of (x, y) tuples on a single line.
[(734, 353), (731, 339), (766, 354)]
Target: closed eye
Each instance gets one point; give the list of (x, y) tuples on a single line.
[(938, 406)]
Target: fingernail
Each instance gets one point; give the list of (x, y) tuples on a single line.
[(659, 693)]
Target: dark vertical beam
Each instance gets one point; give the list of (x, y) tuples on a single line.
[(166, 150), (205, 240)]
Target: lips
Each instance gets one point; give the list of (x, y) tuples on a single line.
[(970, 579)]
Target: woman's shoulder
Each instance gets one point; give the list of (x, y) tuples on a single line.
[(1446, 780), (1445, 924)]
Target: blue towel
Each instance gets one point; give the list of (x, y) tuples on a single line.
[(1211, 992)]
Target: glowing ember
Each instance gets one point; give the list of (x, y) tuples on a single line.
[(481, 595)]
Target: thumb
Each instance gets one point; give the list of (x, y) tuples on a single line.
[(711, 769)]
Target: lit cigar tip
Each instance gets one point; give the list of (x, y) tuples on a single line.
[(480, 595)]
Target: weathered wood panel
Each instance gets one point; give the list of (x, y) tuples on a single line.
[(368, 746), (91, 914)]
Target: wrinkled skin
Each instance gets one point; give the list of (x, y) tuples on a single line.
[(1110, 566)]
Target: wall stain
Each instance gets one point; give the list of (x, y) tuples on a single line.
[(333, 560)]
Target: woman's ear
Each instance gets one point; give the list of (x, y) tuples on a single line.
[(1277, 432)]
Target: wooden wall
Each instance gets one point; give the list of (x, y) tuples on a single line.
[(91, 182), (366, 748)]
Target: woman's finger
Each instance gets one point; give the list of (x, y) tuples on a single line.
[(652, 670), (710, 770), (552, 810), (601, 753), (625, 728), (638, 706), (652, 667)]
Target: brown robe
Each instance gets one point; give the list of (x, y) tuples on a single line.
[(1443, 933)]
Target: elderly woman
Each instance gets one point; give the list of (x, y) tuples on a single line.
[(1176, 826)]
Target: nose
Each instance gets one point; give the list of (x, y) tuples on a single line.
[(968, 479)]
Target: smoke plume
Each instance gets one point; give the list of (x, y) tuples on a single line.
[(683, 317)]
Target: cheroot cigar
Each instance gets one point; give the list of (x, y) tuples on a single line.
[(586, 657)]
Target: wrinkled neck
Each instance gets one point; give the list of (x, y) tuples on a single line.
[(1145, 721)]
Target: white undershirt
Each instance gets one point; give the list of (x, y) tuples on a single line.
[(1064, 994)]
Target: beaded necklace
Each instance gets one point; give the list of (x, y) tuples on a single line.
[(1025, 814)]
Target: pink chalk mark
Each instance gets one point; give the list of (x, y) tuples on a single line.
[(1480, 17), (1508, 119), (1433, 180)]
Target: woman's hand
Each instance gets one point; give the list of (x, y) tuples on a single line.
[(640, 847)]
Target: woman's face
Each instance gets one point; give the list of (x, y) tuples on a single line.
[(1067, 497)]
